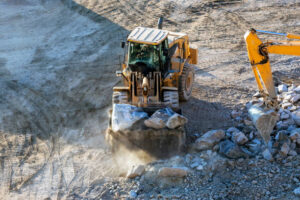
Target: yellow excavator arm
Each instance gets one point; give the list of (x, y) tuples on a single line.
[(258, 53)]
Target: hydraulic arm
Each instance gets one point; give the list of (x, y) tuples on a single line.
[(258, 53)]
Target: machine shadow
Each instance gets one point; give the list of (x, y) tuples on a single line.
[(204, 116)]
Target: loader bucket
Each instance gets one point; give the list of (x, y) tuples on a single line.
[(128, 130)]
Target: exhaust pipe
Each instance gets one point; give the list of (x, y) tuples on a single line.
[(160, 23)]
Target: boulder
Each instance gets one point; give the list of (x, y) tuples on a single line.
[(282, 136), (296, 117), (165, 118), (232, 129), (292, 153), (132, 194), (264, 121), (232, 150), (239, 138), (286, 105), (295, 134), (124, 116), (176, 120), (284, 150), (155, 123), (287, 97), (295, 98), (297, 89), (282, 88), (179, 172), (267, 155), (254, 146), (209, 139), (163, 114), (297, 191), (284, 116), (135, 171)]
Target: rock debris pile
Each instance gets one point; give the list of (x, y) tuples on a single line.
[(217, 150)]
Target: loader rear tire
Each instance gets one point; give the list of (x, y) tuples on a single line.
[(186, 82), (120, 97), (171, 99)]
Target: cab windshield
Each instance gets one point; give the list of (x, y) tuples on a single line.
[(144, 54)]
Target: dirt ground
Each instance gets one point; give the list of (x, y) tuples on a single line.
[(57, 68)]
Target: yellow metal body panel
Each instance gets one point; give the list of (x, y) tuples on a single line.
[(259, 59), (287, 48), (292, 36)]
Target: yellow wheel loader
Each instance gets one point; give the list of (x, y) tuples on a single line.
[(157, 73), (157, 70), (258, 52)]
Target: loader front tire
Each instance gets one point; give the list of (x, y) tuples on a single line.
[(120, 97), (171, 99), (186, 82)]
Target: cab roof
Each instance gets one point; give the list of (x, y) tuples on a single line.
[(147, 35)]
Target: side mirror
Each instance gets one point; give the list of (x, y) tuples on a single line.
[(118, 73), (123, 44)]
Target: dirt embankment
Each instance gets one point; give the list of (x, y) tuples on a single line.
[(57, 64)]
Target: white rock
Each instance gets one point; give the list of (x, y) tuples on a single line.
[(291, 87), (295, 134), (282, 88), (287, 97), (296, 117), (295, 98), (267, 155), (200, 167), (194, 165), (136, 171), (292, 153), (284, 115), (175, 121), (124, 116), (132, 194), (297, 191), (209, 139), (286, 105), (173, 172), (293, 108), (239, 138), (155, 123), (289, 122), (232, 129), (284, 150), (297, 89)]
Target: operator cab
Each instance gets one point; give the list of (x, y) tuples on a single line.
[(148, 50)]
